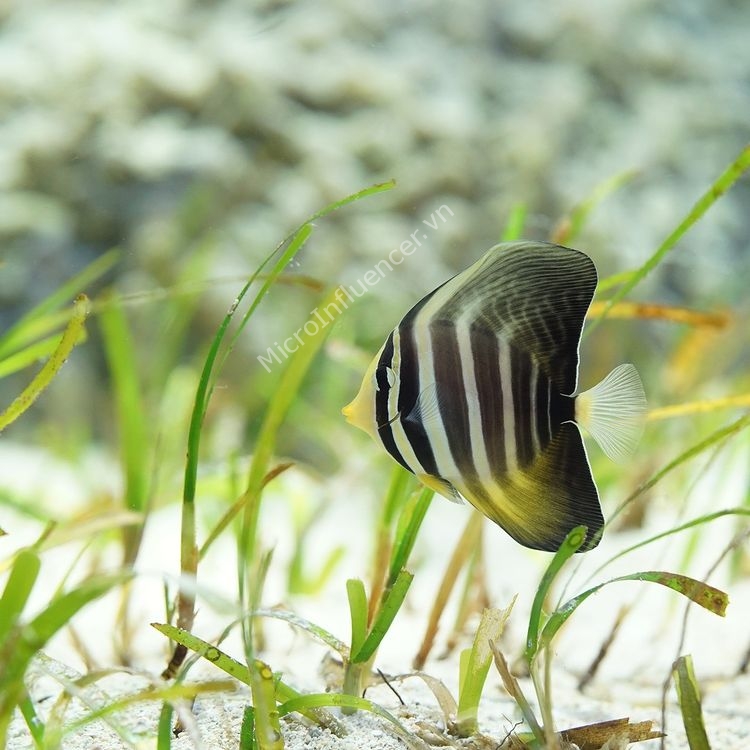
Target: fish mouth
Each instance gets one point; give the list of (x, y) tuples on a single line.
[(348, 411), (356, 413)]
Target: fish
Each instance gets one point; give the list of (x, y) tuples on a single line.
[(475, 392)]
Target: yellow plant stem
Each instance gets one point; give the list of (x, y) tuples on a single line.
[(470, 538), (71, 336), (720, 186), (698, 407), (627, 310)]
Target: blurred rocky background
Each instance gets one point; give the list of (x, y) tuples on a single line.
[(167, 128)]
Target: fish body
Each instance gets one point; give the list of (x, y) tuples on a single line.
[(475, 392)]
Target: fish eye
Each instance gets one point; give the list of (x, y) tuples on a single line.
[(385, 378)]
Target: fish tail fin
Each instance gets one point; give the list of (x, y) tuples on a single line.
[(613, 412)]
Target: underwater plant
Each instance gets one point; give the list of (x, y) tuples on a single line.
[(272, 703)]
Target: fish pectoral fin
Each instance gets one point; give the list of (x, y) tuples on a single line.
[(426, 410), (540, 503), (441, 486)]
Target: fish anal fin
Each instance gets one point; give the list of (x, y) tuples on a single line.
[(613, 412), (542, 502)]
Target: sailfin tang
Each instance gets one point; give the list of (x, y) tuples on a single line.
[(541, 503), (613, 412)]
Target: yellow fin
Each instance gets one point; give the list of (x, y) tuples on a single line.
[(540, 503)]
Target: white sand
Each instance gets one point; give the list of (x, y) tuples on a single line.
[(628, 683)]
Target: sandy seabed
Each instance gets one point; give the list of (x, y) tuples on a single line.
[(628, 682)]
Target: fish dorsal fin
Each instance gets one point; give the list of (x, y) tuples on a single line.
[(613, 412), (542, 502), (533, 295)]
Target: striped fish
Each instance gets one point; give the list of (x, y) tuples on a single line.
[(474, 391)]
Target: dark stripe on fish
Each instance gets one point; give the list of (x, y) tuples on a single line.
[(520, 369), (486, 354), (454, 410), (409, 390), (381, 402), (454, 406)]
